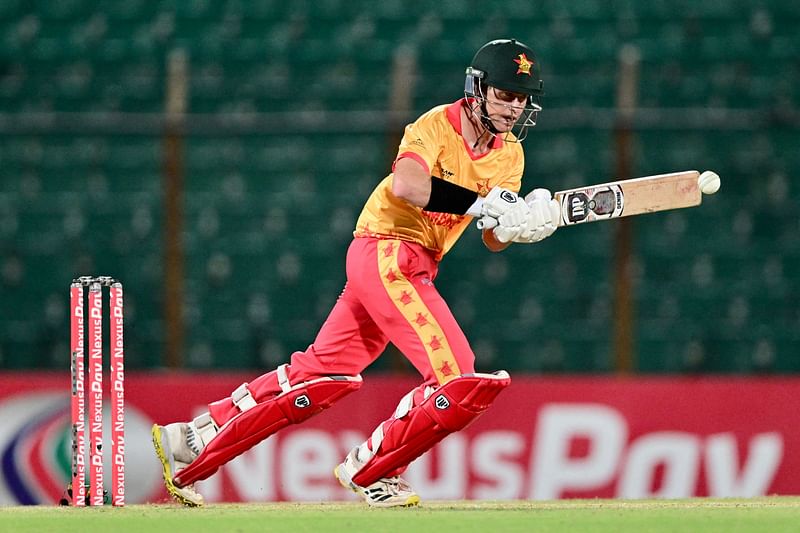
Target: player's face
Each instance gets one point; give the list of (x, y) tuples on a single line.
[(504, 108)]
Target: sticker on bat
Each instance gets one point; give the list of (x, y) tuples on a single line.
[(592, 204)]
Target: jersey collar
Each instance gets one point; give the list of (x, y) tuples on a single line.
[(454, 117)]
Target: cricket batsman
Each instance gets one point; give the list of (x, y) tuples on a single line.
[(456, 162)]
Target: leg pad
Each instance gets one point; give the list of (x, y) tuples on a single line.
[(450, 408), (261, 420)]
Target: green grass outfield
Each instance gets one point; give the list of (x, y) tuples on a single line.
[(773, 514)]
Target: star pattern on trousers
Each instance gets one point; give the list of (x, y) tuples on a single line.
[(421, 320), (435, 343), (405, 298), (388, 250), (391, 277), (445, 369)]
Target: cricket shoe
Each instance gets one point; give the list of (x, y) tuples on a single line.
[(386, 492), (172, 445)]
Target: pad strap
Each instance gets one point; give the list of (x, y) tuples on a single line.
[(283, 378), (201, 429), (242, 398)]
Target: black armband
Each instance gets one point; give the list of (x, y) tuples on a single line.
[(450, 198)]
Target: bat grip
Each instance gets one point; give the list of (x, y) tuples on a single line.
[(487, 223)]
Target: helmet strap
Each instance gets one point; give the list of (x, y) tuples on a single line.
[(485, 120), (483, 115)]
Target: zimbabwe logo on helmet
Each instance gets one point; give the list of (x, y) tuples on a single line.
[(506, 64), (524, 63)]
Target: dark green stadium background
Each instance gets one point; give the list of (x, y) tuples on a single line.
[(269, 201)]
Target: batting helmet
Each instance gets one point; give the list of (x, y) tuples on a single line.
[(509, 65)]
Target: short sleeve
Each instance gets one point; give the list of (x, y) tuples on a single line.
[(422, 141)]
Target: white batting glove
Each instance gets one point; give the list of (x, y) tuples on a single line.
[(497, 202), (504, 211), (542, 218), (512, 223)]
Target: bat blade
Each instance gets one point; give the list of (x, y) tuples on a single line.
[(629, 197)]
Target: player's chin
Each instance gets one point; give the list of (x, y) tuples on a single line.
[(503, 125)]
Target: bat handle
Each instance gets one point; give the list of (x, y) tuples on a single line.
[(487, 223)]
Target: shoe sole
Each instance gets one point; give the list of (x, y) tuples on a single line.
[(174, 491), (411, 501), (344, 482)]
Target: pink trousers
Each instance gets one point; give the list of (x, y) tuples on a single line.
[(389, 297)]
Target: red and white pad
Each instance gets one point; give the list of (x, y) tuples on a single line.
[(258, 420), (415, 429)]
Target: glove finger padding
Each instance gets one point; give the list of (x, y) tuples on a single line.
[(549, 211), (506, 234), (538, 221), (538, 194), (512, 222), (543, 217), (555, 214), (516, 216)]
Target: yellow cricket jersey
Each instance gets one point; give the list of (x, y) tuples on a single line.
[(435, 141)]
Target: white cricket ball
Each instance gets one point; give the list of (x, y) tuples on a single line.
[(709, 182)]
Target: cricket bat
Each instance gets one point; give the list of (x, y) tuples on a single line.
[(624, 198)]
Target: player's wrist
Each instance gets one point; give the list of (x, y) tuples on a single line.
[(492, 243), (476, 209)]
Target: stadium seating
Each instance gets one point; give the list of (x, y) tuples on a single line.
[(268, 212)]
